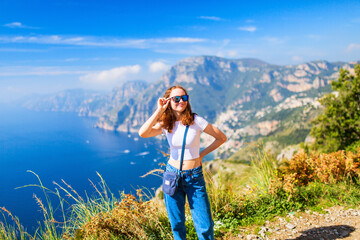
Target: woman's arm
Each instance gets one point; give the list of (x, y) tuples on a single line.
[(150, 128), (219, 136)]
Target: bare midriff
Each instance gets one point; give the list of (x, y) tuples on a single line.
[(187, 164)]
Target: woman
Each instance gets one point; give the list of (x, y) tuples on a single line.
[(172, 115)]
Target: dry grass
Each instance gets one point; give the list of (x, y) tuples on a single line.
[(325, 168), (15, 231), (130, 219)]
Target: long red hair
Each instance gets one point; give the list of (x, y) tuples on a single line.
[(168, 119)]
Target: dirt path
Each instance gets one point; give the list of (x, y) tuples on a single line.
[(337, 223)]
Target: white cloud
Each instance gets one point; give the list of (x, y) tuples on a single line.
[(17, 71), (297, 59), (71, 59), (224, 48), (314, 37), (20, 50), (158, 67), (14, 25), (248, 28), (112, 76), (17, 25), (211, 18), (99, 41), (274, 40), (178, 40), (225, 42), (193, 50), (232, 53), (228, 53), (353, 47)]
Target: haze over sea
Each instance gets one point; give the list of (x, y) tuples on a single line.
[(59, 145)]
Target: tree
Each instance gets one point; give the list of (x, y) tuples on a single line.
[(338, 127)]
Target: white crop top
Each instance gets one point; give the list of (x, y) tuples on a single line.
[(192, 146)]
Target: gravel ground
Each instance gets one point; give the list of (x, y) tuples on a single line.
[(337, 223)]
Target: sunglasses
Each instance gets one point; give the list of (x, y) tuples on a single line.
[(177, 99)]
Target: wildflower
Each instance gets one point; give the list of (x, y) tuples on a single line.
[(138, 192), (218, 224)]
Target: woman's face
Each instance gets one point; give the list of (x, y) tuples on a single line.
[(180, 106)]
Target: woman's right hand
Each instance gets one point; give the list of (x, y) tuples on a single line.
[(163, 103), (151, 127)]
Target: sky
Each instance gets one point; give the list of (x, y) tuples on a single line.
[(48, 46)]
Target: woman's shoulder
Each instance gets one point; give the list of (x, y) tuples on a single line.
[(159, 125), (198, 118), (200, 121)]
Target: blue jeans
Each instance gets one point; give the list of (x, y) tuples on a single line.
[(192, 185)]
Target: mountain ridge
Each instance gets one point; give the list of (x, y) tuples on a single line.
[(231, 93)]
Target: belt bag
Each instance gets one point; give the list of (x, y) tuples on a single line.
[(171, 179)]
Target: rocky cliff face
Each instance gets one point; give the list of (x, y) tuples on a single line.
[(125, 94), (115, 109), (246, 98)]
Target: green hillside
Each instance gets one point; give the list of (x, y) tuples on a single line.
[(294, 128)]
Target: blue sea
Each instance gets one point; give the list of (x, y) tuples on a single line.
[(61, 145)]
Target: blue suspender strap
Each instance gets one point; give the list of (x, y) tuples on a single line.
[(183, 149)]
